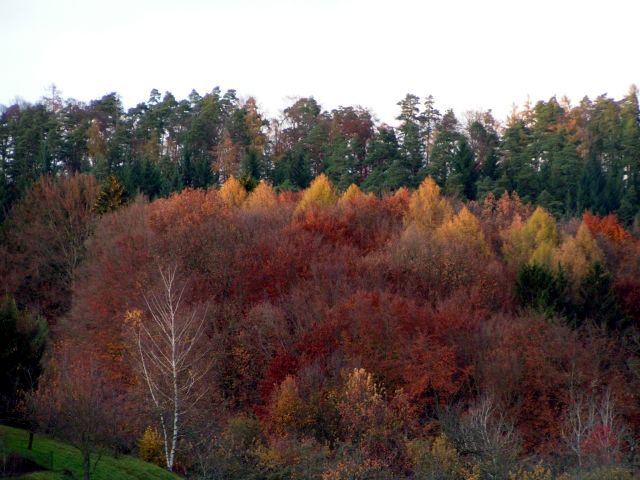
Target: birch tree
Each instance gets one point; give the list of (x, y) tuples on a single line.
[(592, 430), (169, 361)]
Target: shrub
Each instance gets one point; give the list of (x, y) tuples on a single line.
[(150, 447)]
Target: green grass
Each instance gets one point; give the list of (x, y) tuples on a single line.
[(65, 456)]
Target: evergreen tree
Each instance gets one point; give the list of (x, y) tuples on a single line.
[(630, 138), (541, 289), (22, 344), (517, 172), (452, 161), (340, 163), (383, 160), (598, 299), (411, 147), (484, 142), (430, 120), (250, 166), (111, 196), (292, 172)]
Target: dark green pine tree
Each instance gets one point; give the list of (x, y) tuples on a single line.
[(629, 205), (540, 289), (411, 147), (462, 182), (565, 171), (590, 192), (517, 172), (251, 170), (598, 299), (549, 203), (605, 129), (340, 162), (452, 163), (251, 166), (143, 176), (171, 177), (396, 175), (386, 172), (630, 117), (292, 171), (430, 120)]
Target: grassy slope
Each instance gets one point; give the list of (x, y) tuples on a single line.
[(67, 457)]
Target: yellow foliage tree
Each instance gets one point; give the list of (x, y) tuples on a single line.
[(233, 193), (262, 197), (288, 409), (533, 242), (151, 447), (361, 388), (439, 459), (428, 209), (464, 228), (320, 193), (539, 472), (361, 405), (352, 194), (576, 254), (254, 125)]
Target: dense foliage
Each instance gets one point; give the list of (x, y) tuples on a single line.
[(281, 306), (566, 158)]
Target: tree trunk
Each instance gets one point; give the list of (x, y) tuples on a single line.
[(86, 464), (174, 436), (30, 446)]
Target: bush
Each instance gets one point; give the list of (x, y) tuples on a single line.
[(150, 447)]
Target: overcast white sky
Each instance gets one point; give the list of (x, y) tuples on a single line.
[(470, 54)]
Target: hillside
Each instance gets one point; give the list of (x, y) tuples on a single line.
[(56, 457)]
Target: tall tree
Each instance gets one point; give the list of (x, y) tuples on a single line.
[(169, 361), (411, 146), (452, 161), (46, 245)]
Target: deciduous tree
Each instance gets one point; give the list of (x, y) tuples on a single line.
[(170, 362)]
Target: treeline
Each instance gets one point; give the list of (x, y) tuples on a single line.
[(325, 334), (566, 158)]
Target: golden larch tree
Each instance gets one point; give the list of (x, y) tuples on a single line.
[(262, 197), (232, 192), (428, 209), (320, 193)]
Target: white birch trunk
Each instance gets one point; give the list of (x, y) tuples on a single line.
[(168, 361)]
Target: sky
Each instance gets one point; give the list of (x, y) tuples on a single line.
[(468, 54)]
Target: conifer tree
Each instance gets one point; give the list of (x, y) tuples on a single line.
[(111, 196)]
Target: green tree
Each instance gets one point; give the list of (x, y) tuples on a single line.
[(430, 119), (22, 343), (484, 141), (340, 162), (539, 288), (630, 118), (598, 299), (452, 161), (387, 172), (517, 172), (411, 146), (292, 171)]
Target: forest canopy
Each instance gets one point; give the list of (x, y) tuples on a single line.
[(566, 158), (323, 296)]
